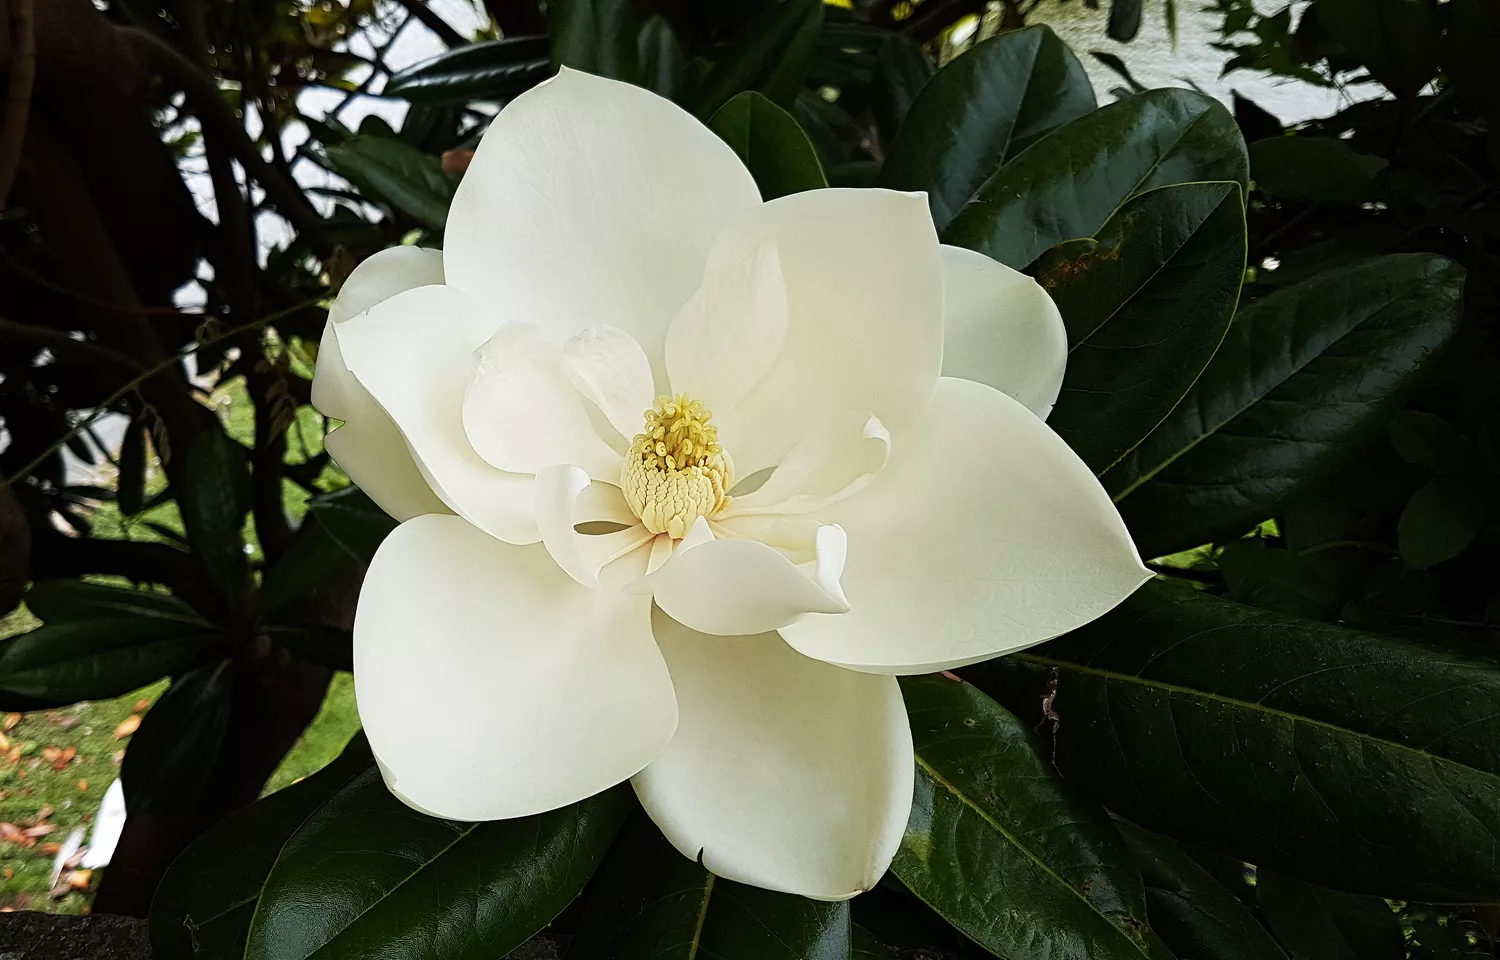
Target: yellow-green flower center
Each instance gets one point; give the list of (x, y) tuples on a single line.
[(675, 470)]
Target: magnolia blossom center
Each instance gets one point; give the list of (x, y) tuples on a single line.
[(675, 470)]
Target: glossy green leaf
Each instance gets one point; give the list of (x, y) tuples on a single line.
[(326, 646), (1194, 913), (1145, 304), (366, 875), (902, 69), (492, 70), (1263, 575), (203, 907), (651, 901), (1001, 849), (771, 144), (1347, 758), (1442, 518), (866, 946), (131, 489), (1396, 39), (1304, 382), (1069, 184), (174, 750), (60, 601), (771, 55), (1313, 168), (66, 661), (661, 56), (599, 36), (398, 174), (353, 521), (315, 557), (214, 505), (1318, 924), (982, 109)]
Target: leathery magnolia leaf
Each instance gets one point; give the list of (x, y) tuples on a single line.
[(398, 174), (595, 35), (1396, 39), (314, 558), (1305, 381), (59, 601), (213, 512), (771, 55), (494, 70), (1352, 759), (1440, 520), (68, 661), (365, 875), (981, 110), (171, 755), (202, 908), (1313, 168), (1068, 184), (866, 946), (352, 520), (1193, 912), (1001, 849), (773, 147), (651, 901), (1145, 306), (1318, 924)]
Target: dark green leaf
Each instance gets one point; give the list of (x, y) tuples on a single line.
[(1303, 383), (902, 69), (331, 648), (1262, 575), (1118, 67), (1396, 39), (68, 661), (398, 174), (1001, 848), (651, 901), (171, 755), (202, 908), (771, 144), (1317, 924), (366, 876), (352, 520), (662, 60), (493, 70), (1346, 758), (213, 512), (865, 946), (1070, 183), (981, 110), (132, 486), (599, 36), (1124, 20), (1313, 168), (1468, 50), (771, 55), (1440, 520), (1194, 913), (1145, 305), (314, 558), (59, 601)]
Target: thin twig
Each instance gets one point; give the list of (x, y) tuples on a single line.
[(60, 342), (435, 23), (83, 298), (18, 98)]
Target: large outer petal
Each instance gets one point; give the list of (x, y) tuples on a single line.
[(593, 201), (1001, 328), (785, 773), (983, 535), (864, 328), (493, 686), (415, 354), (368, 446)]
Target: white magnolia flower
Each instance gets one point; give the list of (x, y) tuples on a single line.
[(841, 475)]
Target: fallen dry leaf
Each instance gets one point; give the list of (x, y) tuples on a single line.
[(41, 830), (9, 873), (50, 754), (11, 719), (15, 754), (4, 743), (7, 909), (117, 758), (142, 704), (128, 726), (83, 786), (60, 764), (79, 879), (69, 722), (50, 849), (456, 162), (45, 812), (14, 834), (69, 752)]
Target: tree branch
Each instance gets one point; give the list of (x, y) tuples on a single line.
[(218, 119), (435, 23), (59, 341), (18, 98)]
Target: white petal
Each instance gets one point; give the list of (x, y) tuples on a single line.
[(415, 354), (985, 534), (785, 773), (373, 453), (729, 587), (522, 413), (1001, 328), (493, 686), (728, 334), (561, 505), (837, 456), (335, 393), (593, 201), (864, 290), (611, 370)]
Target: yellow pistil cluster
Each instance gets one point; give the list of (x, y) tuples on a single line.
[(675, 470)]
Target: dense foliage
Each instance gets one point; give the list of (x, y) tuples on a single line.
[(1281, 366)]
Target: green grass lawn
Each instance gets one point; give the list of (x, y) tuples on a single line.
[(82, 739)]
